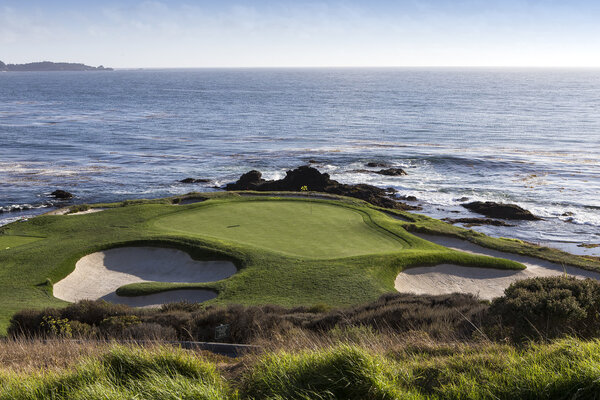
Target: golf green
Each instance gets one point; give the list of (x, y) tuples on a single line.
[(304, 229)]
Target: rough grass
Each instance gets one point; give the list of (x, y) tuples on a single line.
[(123, 372), (565, 369), (265, 277)]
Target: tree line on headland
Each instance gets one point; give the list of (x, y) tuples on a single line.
[(50, 66)]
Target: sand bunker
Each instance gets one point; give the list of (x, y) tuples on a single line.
[(98, 275), (65, 211), (484, 282), (89, 211)]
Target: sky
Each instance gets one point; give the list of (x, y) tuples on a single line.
[(269, 33)]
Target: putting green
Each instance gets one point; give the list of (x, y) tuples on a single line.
[(305, 229), (9, 241)]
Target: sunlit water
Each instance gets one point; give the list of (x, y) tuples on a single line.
[(530, 137)]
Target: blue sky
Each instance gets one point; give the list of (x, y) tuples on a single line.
[(227, 33)]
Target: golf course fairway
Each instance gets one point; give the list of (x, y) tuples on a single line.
[(286, 250)]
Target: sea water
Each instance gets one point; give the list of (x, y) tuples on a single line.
[(530, 137)]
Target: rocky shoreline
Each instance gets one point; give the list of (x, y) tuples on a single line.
[(312, 180)]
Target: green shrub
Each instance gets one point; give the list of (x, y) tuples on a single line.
[(547, 308), (56, 327), (94, 312), (79, 208), (29, 323)]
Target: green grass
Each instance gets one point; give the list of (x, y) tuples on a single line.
[(123, 373), (289, 251), (296, 228), (8, 242), (566, 369)]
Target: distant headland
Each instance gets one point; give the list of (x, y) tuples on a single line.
[(50, 66)]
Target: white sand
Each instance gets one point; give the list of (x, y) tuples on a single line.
[(484, 282), (65, 210), (89, 211), (98, 275)]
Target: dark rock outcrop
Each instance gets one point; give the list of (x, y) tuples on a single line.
[(388, 171), (500, 210), (317, 182), (407, 198), (194, 180), (61, 194), (468, 222), (377, 165), (391, 172)]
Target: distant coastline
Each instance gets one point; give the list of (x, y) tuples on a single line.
[(44, 66)]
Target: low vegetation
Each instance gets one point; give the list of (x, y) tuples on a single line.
[(564, 369), (398, 347), (532, 309), (446, 316)]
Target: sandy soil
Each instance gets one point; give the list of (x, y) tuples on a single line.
[(485, 282), (98, 275), (64, 211), (90, 211)]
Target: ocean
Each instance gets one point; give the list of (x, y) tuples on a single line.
[(524, 136)]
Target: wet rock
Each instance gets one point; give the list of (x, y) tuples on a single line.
[(377, 164), (61, 195), (388, 171), (462, 199), (407, 198), (317, 182), (249, 181), (500, 210), (468, 222), (194, 180), (391, 172), (567, 214)]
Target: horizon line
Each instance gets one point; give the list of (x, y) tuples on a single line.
[(372, 67)]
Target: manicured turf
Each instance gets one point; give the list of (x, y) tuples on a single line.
[(304, 229), (288, 251), (8, 242)]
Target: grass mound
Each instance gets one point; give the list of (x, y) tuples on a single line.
[(124, 373), (345, 372)]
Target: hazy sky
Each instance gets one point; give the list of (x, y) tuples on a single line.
[(182, 33)]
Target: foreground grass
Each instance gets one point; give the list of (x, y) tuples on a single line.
[(289, 251), (341, 370)]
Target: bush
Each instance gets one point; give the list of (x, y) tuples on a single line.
[(440, 316), (94, 312), (547, 308), (28, 323), (444, 316)]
